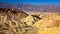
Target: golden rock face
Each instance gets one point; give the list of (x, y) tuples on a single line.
[(14, 21)]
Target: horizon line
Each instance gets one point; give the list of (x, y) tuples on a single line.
[(29, 4)]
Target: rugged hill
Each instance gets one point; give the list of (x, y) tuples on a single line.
[(16, 21), (13, 12)]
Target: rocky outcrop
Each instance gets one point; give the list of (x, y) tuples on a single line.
[(13, 12), (14, 21)]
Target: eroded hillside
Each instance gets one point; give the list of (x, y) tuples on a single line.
[(14, 21)]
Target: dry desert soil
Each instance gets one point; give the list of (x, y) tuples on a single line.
[(14, 21)]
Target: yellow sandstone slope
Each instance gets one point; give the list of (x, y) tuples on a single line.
[(49, 24)]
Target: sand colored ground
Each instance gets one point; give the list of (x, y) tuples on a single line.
[(22, 23)]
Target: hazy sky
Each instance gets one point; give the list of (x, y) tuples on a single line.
[(35, 2)]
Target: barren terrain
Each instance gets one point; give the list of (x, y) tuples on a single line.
[(14, 21)]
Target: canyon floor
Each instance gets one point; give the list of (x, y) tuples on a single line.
[(14, 21)]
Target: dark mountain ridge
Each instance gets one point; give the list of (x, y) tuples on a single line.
[(34, 8)]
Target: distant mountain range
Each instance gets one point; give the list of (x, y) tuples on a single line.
[(34, 8)]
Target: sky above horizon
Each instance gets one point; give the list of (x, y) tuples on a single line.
[(33, 2)]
